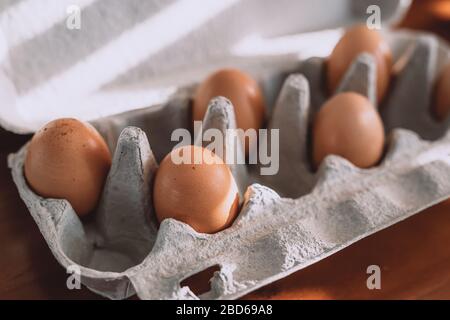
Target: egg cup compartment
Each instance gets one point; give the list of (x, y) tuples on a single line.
[(408, 103), (121, 252)]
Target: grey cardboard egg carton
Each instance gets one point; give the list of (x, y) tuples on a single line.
[(287, 221)]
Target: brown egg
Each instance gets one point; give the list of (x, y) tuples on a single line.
[(68, 159), (442, 95), (349, 126), (203, 195), (357, 40), (243, 92), (439, 9)]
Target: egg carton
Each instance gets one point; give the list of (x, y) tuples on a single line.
[(287, 221)]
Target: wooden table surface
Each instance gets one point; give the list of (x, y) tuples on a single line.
[(414, 255)]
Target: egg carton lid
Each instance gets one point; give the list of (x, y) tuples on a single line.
[(128, 55)]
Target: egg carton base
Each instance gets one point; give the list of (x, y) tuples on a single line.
[(271, 238), (318, 213)]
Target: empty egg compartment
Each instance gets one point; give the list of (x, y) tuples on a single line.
[(287, 221)]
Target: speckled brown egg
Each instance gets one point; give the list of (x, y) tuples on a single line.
[(243, 92), (68, 159), (442, 95), (357, 40), (348, 125), (202, 193)]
